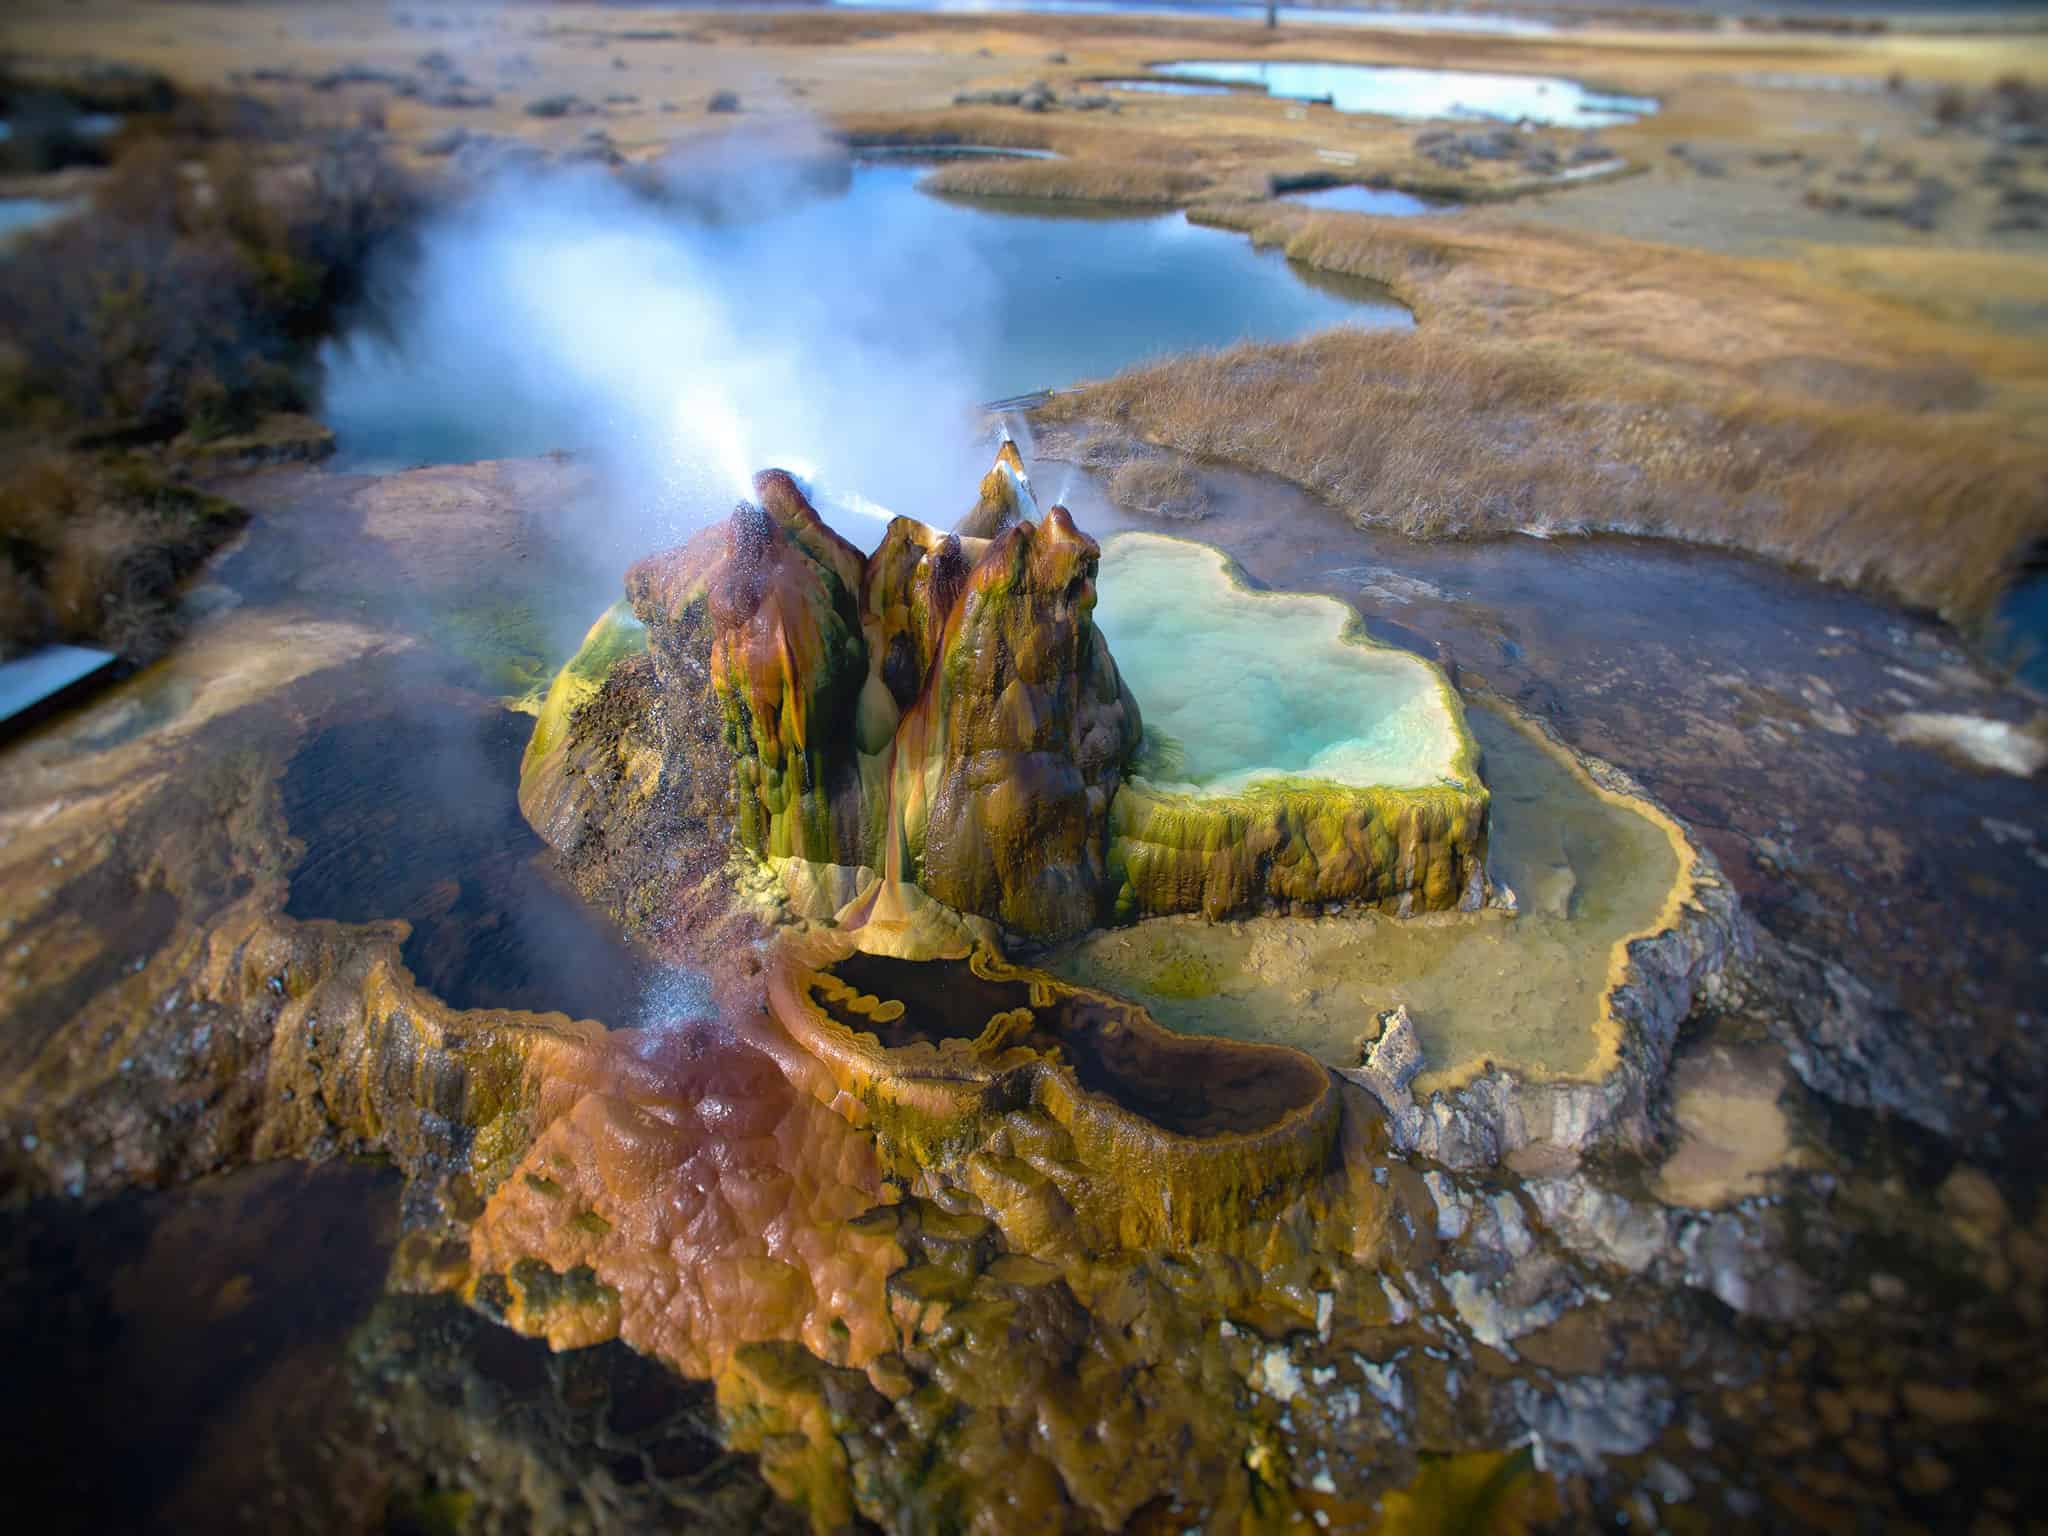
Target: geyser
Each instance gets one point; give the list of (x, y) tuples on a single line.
[(1290, 759), (932, 746)]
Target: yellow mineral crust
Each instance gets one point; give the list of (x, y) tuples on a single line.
[(1608, 1030), (1074, 1119)]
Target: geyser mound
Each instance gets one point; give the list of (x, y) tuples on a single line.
[(932, 747)]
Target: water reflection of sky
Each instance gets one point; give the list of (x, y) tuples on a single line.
[(1395, 91)]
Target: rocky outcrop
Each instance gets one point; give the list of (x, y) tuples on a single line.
[(1079, 1123), (1005, 765), (932, 745), (1298, 846), (910, 741)]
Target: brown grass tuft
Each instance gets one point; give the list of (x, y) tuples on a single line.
[(1095, 181), (1444, 438), (1586, 383), (95, 554), (1159, 486)]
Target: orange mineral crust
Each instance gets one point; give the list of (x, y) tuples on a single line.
[(682, 1196)]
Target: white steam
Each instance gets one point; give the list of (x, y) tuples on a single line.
[(733, 320)]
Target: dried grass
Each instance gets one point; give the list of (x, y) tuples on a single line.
[(1093, 181), (1159, 486), (1562, 385), (1442, 438), (95, 554)]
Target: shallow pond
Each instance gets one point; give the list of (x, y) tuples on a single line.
[(1017, 297), (1387, 90), (18, 215), (2021, 630), (1758, 705), (1384, 201), (1306, 698), (1165, 87)]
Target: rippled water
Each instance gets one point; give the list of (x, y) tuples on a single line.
[(1386, 90)]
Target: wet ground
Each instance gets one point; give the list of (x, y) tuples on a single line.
[(234, 1349), (1526, 992), (228, 1342), (1758, 705)]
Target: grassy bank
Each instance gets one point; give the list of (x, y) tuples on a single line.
[(1591, 384), (177, 313), (1134, 184)]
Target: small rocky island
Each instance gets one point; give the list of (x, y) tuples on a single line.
[(933, 744)]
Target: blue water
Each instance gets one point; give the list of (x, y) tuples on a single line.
[(1422, 94), (872, 279), (21, 214), (1163, 87), (1384, 201), (2020, 631)]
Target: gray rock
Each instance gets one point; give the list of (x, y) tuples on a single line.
[(1601, 1226), (364, 74), (559, 106), (448, 143), (1495, 144), (1735, 1256), (457, 98), (1391, 1062), (1583, 1418), (723, 101)]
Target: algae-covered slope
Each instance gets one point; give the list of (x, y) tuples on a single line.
[(936, 738), (1289, 759)]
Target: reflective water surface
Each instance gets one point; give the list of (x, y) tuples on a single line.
[(1054, 294), (1387, 90), (1384, 201)]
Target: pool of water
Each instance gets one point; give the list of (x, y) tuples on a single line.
[(2020, 630), (433, 834), (1384, 201), (935, 303), (899, 154), (1303, 700), (1526, 992), (1386, 90), (1290, 15), (18, 215)]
